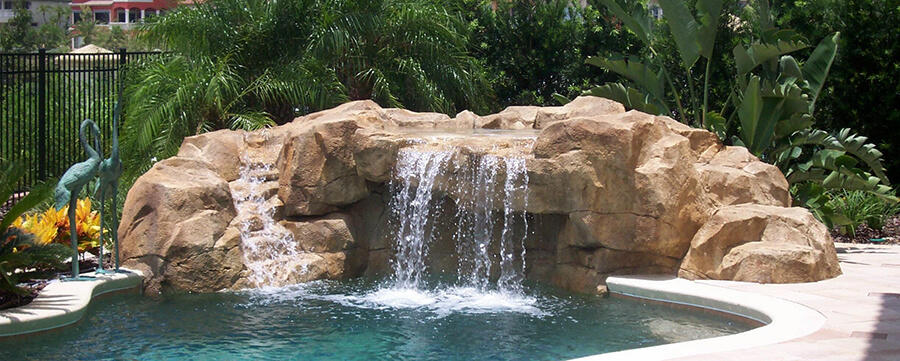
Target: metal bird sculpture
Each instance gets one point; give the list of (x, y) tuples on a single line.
[(75, 178), (110, 171)]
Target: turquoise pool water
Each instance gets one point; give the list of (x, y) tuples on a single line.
[(361, 320)]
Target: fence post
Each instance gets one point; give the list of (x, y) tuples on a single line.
[(120, 78), (42, 114)]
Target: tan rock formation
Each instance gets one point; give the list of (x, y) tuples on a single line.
[(613, 192), (765, 244), (174, 227)]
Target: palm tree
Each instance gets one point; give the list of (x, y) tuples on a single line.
[(403, 53), (251, 63), (231, 65)]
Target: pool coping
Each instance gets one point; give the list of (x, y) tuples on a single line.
[(784, 320), (63, 303)]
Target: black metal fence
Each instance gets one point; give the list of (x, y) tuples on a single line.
[(44, 97)]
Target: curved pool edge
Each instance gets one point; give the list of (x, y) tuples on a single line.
[(784, 320), (63, 303)]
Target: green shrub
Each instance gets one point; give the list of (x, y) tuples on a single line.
[(862, 207), (770, 107), (21, 257)]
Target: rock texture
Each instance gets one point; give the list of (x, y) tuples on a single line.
[(765, 244), (610, 192)]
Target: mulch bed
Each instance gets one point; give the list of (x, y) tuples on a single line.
[(890, 234), (12, 300)]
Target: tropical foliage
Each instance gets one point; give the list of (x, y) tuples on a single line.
[(249, 64), (861, 208), (862, 90), (770, 107), (533, 49), (22, 257), (52, 226)]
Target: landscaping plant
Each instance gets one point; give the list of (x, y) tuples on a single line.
[(862, 208), (862, 90), (770, 107), (22, 256), (52, 226), (247, 64)]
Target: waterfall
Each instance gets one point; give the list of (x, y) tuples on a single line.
[(413, 203), (270, 253), (487, 189), (515, 187)]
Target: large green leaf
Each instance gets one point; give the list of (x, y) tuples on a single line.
[(813, 196), (716, 123), (746, 59), (638, 22), (684, 29), (816, 68), (629, 97), (844, 141), (631, 68), (561, 99), (709, 12), (796, 122), (857, 146), (749, 114), (790, 67)]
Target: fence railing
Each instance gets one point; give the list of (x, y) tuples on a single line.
[(44, 97)]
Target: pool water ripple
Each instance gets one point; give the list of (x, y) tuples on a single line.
[(360, 320)]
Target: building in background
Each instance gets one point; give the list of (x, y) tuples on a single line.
[(123, 13), (42, 11)]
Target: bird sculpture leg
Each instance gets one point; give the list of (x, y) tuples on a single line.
[(73, 233), (115, 225), (100, 269)]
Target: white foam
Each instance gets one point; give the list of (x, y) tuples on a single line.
[(442, 301)]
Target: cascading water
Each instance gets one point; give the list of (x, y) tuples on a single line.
[(270, 252), (512, 269), (413, 204), (422, 177)]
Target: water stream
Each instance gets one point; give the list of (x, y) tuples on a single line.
[(270, 253), (490, 229)]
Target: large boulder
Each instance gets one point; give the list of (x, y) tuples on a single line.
[(318, 170), (514, 117), (174, 227), (221, 149), (580, 107), (734, 176), (759, 243)]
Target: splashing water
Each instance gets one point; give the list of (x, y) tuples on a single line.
[(270, 253)]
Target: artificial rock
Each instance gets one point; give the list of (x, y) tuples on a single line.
[(610, 191)]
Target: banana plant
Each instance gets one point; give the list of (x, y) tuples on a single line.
[(775, 101), (694, 33)]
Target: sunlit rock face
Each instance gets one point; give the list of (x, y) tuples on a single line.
[(605, 192)]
